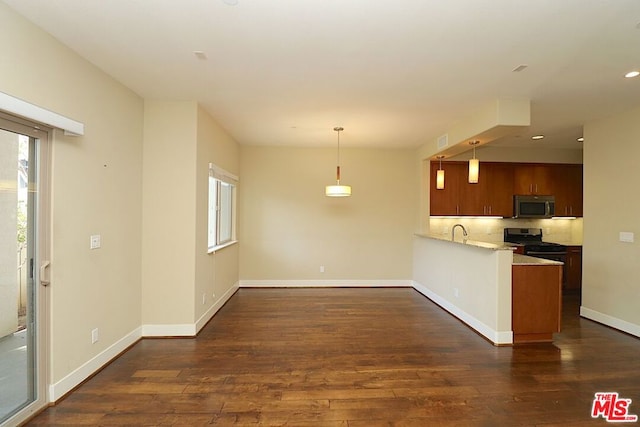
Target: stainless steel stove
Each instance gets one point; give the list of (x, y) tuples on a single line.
[(531, 239)]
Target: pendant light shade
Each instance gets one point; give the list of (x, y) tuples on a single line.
[(440, 175), (474, 165), (338, 190)]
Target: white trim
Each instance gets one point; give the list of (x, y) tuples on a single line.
[(188, 329), (614, 322), (214, 249), (169, 330), (202, 321), (401, 283), (496, 337), (222, 174), (29, 111), (68, 383)]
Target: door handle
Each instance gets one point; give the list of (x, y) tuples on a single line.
[(44, 268)]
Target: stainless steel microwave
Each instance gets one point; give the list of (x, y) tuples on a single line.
[(533, 206)]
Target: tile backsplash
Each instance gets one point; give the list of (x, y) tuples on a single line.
[(565, 231)]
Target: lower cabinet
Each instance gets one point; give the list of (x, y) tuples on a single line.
[(536, 302), (573, 268)]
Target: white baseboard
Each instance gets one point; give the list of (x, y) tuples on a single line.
[(402, 283), (169, 330), (68, 383), (202, 321), (188, 329), (496, 337), (614, 322)]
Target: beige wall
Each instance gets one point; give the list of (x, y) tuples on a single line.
[(96, 186), (169, 212), (216, 273), (289, 228), (611, 288), (489, 153), (180, 140)]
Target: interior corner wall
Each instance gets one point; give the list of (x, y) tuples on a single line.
[(289, 228), (96, 189), (216, 274), (169, 214), (610, 286)]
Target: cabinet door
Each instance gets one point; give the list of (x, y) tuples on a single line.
[(568, 189), (446, 201), (498, 193), (573, 267), (533, 179)]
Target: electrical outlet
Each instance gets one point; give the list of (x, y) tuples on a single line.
[(322, 269), (95, 241), (456, 293), (94, 336), (627, 236)]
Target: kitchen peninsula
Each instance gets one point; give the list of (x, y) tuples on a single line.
[(506, 297)]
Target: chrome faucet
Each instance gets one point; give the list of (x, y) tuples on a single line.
[(453, 231)]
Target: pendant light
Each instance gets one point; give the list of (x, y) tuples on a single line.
[(440, 175), (338, 190), (474, 164)]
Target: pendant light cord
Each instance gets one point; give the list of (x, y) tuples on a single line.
[(338, 129)]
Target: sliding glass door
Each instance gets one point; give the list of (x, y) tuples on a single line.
[(23, 267)]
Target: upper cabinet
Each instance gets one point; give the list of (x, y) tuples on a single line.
[(499, 182), (567, 182), (491, 196), (448, 200), (533, 179)]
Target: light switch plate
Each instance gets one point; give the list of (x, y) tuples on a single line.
[(626, 236), (95, 241)]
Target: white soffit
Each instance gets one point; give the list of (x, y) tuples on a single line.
[(32, 112)]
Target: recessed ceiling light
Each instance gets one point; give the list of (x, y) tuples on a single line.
[(581, 139), (537, 137), (230, 2), (631, 74)]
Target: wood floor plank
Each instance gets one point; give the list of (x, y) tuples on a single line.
[(354, 357)]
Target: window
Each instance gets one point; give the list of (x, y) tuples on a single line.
[(222, 210)]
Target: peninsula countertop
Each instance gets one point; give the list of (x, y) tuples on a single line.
[(502, 246), (517, 258)]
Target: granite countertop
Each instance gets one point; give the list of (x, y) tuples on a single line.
[(494, 246), (517, 258), (530, 260)]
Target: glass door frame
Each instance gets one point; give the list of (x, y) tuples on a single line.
[(38, 322)]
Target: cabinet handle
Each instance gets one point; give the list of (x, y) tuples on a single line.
[(489, 209)]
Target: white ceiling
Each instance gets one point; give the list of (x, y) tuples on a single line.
[(392, 73)]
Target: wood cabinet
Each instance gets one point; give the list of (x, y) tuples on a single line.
[(448, 200), (491, 196), (567, 182), (499, 182), (573, 268), (536, 302), (533, 179)]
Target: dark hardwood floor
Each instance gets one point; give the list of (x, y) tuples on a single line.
[(355, 357)]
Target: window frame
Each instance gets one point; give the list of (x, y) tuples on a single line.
[(221, 220)]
